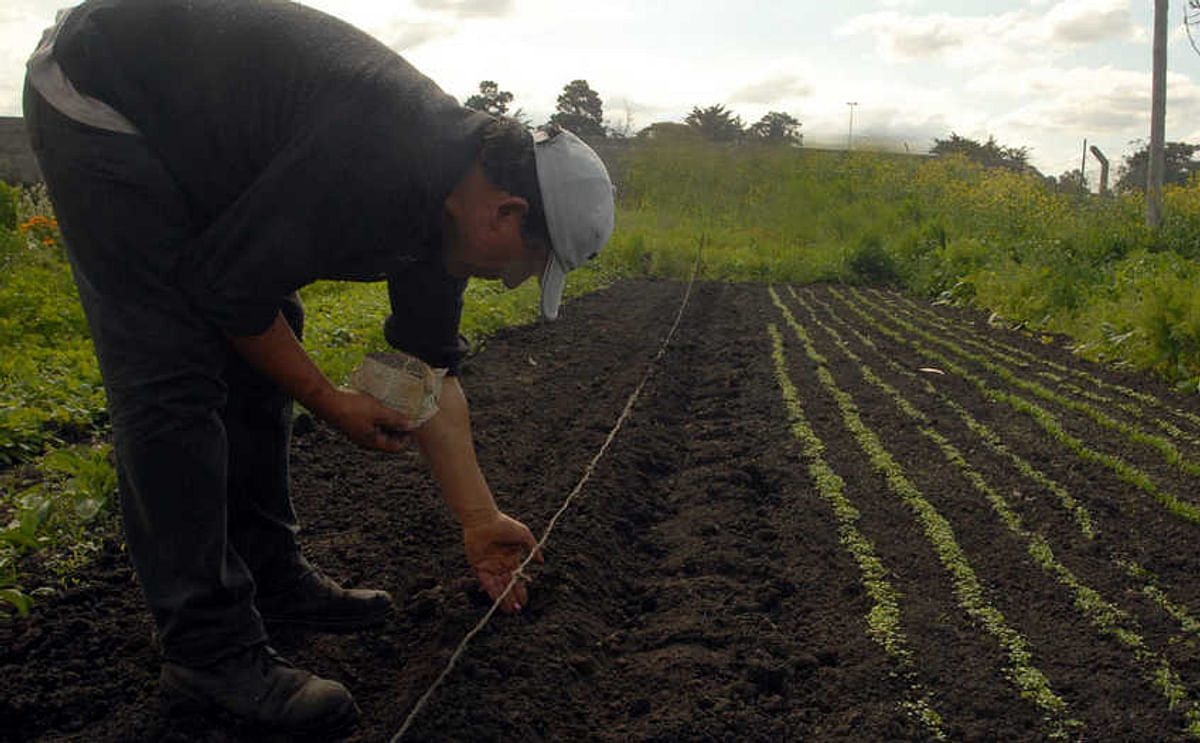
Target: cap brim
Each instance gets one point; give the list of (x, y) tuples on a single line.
[(554, 280)]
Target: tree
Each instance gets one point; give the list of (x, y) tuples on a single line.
[(667, 131), (1071, 182), (580, 110), (715, 123), (989, 154), (778, 127), (1131, 176), (490, 99)]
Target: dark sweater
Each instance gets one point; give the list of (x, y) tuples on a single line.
[(305, 149)]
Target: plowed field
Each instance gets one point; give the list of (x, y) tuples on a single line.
[(833, 514)]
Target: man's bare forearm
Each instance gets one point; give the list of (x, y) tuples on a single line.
[(446, 442), (278, 354)]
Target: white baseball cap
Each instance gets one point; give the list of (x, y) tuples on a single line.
[(577, 196)]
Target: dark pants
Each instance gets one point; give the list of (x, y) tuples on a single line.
[(201, 439)]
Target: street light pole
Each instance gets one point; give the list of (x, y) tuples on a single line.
[(850, 137)]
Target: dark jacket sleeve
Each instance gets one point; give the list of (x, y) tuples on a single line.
[(427, 306)]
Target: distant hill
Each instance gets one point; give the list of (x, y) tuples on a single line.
[(17, 164)]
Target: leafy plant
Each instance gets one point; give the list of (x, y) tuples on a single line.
[(10, 198)]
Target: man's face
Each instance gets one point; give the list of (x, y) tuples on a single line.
[(486, 241), (512, 264)]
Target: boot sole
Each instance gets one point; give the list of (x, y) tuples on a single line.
[(177, 701)]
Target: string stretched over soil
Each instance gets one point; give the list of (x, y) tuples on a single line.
[(697, 590)]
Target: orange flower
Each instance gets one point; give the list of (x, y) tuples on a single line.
[(43, 229)]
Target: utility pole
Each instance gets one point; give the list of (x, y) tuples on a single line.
[(850, 137), (1158, 119)]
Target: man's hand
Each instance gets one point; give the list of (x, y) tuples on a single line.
[(366, 421), (277, 353), (495, 549)]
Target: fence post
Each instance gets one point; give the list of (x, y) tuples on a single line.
[(1103, 169)]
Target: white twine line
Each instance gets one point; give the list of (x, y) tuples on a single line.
[(519, 573)]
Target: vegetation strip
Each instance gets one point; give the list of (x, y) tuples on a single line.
[(1105, 616), (992, 343), (1168, 450), (1029, 680), (1147, 582), (1125, 471), (883, 620)]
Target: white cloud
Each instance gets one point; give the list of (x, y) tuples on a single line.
[(402, 35), (961, 39), (468, 8), (1088, 101), (21, 26), (775, 89), (1089, 21), (1017, 37)]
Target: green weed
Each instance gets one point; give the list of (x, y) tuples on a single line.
[(72, 488)]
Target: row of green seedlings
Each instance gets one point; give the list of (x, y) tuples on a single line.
[(1134, 404), (1165, 447), (1051, 424), (1029, 680), (1105, 616), (1064, 370), (883, 619), (1147, 581)]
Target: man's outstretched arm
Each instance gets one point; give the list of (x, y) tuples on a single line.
[(495, 543)]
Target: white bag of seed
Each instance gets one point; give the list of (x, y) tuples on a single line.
[(401, 382)]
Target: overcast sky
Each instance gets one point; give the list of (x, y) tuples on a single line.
[(1041, 74)]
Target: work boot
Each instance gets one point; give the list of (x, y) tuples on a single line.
[(260, 686), (315, 601)]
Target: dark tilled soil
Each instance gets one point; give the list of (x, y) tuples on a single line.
[(698, 589)]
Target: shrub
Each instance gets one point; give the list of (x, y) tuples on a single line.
[(10, 198), (870, 263)]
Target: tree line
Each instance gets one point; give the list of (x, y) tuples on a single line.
[(580, 109)]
